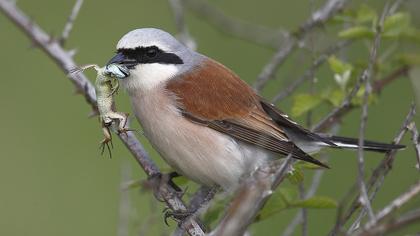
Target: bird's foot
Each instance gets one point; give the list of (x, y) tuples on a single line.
[(179, 216), (106, 142), (159, 180)]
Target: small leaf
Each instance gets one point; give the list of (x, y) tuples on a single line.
[(395, 24), (319, 202), (338, 66), (335, 97), (295, 176), (304, 102), (356, 32)]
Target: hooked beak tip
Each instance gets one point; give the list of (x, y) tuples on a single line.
[(119, 58)]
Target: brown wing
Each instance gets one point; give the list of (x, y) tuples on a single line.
[(213, 96)]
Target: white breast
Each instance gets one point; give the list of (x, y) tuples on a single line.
[(200, 153)]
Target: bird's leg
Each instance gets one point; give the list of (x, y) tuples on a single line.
[(193, 210), (157, 181)]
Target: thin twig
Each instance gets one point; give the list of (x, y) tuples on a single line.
[(397, 203), (387, 227), (318, 18), (367, 74), (198, 202), (376, 178), (66, 63), (70, 22)]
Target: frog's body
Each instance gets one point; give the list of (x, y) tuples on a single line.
[(104, 95), (104, 88)]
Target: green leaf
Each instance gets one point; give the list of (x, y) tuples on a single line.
[(395, 24), (338, 66), (335, 97), (319, 202), (356, 32), (295, 176), (304, 102)]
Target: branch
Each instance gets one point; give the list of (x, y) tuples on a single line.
[(70, 21), (66, 63), (397, 203), (366, 77), (198, 202), (376, 178), (317, 19), (251, 197), (237, 28), (392, 225)]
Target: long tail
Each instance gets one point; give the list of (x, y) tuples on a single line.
[(344, 142)]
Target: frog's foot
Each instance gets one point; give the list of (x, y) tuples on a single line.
[(106, 142)]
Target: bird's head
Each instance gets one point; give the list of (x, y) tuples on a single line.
[(153, 57)]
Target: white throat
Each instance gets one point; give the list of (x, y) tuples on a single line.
[(148, 76)]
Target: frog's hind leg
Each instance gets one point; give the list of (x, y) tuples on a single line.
[(107, 141)]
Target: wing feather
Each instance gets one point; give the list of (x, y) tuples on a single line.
[(228, 105)]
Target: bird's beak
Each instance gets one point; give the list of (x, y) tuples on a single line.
[(121, 59)]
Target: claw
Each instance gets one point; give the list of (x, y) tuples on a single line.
[(179, 216)]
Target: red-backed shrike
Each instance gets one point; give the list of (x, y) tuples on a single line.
[(206, 122)]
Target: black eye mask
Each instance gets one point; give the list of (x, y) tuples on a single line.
[(147, 55)]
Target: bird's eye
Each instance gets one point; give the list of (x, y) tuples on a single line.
[(151, 52)]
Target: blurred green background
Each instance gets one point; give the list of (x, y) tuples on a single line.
[(55, 182)]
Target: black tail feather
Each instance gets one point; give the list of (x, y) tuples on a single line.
[(367, 145)]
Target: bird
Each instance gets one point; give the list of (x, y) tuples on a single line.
[(203, 120)]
